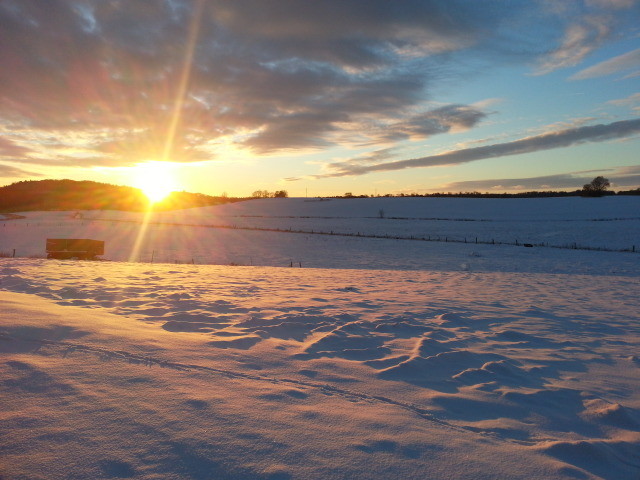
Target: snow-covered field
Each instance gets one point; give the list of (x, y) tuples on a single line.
[(187, 236), (389, 359)]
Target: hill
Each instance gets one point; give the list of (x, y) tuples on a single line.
[(40, 195)]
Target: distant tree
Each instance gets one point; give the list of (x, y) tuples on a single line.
[(630, 192), (596, 188), (281, 194), (348, 195), (72, 195), (261, 194)]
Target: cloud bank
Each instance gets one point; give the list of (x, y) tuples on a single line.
[(565, 181), (93, 82), (265, 76), (546, 141)]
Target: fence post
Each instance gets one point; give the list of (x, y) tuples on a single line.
[(14, 253)]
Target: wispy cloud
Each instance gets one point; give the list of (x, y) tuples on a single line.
[(632, 102), (546, 141), (621, 63), (580, 40), (9, 148), (630, 170), (10, 171), (614, 4), (621, 177), (547, 182)]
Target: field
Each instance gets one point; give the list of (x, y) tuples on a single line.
[(371, 358), (250, 236)]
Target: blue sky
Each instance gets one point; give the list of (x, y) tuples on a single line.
[(323, 97)]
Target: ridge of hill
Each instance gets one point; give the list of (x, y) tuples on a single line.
[(31, 195)]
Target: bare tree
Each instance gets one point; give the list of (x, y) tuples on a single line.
[(596, 188)]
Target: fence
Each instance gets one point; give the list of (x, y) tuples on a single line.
[(151, 257), (428, 238)]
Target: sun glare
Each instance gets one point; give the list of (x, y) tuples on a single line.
[(156, 180)]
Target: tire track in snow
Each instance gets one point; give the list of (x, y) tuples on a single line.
[(66, 348)]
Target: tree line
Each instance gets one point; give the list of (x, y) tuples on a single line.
[(268, 194), (42, 195), (598, 187)]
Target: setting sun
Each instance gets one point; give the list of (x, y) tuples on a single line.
[(155, 179)]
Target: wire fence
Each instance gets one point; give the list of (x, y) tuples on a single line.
[(169, 256), (422, 238)]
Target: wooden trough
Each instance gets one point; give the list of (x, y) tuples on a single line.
[(74, 248)]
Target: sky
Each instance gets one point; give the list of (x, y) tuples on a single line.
[(323, 97)]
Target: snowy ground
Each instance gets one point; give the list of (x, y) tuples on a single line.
[(187, 236), (421, 360)]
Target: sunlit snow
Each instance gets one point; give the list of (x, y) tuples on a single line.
[(378, 359)]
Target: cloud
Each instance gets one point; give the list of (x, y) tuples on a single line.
[(614, 4), (9, 171), (441, 120), (300, 130), (375, 130), (265, 77), (626, 61), (376, 156), (632, 101), (547, 182), (630, 170), (580, 39), (343, 33), (105, 147), (588, 26), (11, 149), (632, 181), (545, 141), (619, 177), (81, 64)]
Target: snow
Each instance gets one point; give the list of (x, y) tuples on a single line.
[(188, 237), (389, 359)]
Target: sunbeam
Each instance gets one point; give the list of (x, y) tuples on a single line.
[(159, 185)]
